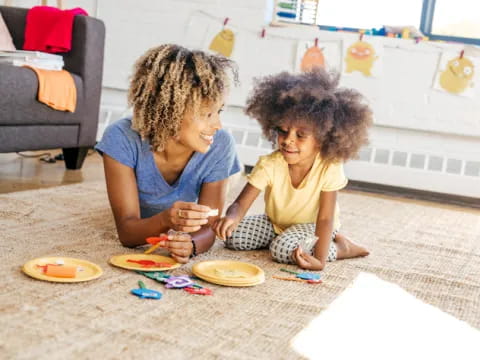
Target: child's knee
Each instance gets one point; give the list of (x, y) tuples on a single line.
[(282, 251), (233, 242), (239, 241)]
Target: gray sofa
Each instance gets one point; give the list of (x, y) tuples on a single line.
[(25, 123)]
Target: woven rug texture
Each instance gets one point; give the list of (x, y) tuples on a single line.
[(430, 251)]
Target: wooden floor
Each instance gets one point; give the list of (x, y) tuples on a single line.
[(19, 173)]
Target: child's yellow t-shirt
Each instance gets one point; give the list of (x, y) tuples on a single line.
[(286, 205)]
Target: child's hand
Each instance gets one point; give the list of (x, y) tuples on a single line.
[(225, 226), (180, 246), (306, 261), (187, 216)]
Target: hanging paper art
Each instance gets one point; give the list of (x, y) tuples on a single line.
[(361, 56), (311, 54), (223, 42), (456, 74), (312, 58)]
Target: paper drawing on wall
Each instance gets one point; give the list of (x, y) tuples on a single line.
[(325, 54), (361, 56), (455, 74), (312, 58), (223, 42)]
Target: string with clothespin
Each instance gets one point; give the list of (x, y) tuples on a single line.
[(316, 42), (225, 22), (263, 33), (461, 54), (360, 37), (432, 47)]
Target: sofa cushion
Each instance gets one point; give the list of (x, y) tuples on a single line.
[(19, 105)]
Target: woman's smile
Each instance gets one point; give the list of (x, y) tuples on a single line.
[(207, 138)]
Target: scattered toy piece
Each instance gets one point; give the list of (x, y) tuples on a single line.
[(195, 291), (150, 263), (178, 282), (155, 242), (155, 275), (318, 281), (144, 293), (61, 271), (304, 275)]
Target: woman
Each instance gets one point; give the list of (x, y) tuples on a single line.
[(168, 166)]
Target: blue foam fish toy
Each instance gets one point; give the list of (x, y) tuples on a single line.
[(144, 293)]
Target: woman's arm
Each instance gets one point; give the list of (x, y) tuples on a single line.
[(211, 195), (123, 196), (236, 211), (324, 229)]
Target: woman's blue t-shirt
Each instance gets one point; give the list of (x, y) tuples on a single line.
[(125, 145)]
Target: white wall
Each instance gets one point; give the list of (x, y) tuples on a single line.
[(422, 138)]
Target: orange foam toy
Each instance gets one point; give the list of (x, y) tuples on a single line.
[(62, 271)]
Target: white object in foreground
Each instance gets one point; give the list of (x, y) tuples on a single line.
[(374, 319)]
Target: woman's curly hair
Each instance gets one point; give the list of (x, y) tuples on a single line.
[(339, 116), (167, 80)]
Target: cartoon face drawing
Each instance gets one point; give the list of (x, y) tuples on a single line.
[(312, 58), (457, 76), (360, 57)]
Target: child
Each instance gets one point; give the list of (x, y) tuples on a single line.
[(168, 165), (316, 126)]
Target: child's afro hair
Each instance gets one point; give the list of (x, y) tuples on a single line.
[(340, 116)]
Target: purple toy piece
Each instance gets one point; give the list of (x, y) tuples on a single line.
[(178, 282)]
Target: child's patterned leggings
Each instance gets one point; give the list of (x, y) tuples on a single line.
[(256, 232)]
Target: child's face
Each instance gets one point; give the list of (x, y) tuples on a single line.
[(297, 143), (197, 129)]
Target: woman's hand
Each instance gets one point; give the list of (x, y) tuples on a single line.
[(186, 216), (225, 226), (306, 261), (180, 246)]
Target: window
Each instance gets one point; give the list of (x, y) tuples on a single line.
[(450, 20), (367, 14), (459, 19)]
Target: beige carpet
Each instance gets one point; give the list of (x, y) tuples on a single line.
[(432, 252)]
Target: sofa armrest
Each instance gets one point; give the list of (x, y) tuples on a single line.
[(85, 60)]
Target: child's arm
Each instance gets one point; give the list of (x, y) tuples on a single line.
[(236, 211), (324, 229)]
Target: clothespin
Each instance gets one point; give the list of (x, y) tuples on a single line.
[(262, 33), (461, 54), (361, 35), (418, 39), (155, 242), (316, 42), (225, 21)]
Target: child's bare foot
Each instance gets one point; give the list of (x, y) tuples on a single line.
[(347, 249)]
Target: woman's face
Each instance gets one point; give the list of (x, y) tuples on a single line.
[(297, 143), (198, 129)]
